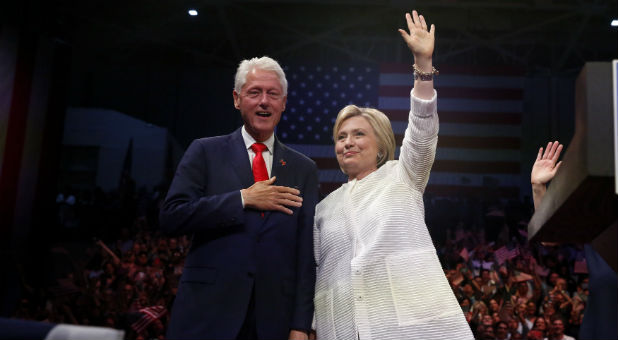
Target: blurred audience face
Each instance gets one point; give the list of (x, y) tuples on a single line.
[(513, 323), (162, 245), (558, 327), (549, 310), (493, 305), (530, 309), (173, 244), (521, 309), (552, 278), (142, 259), (468, 290), (465, 304), (540, 324), (488, 333), (485, 275), (128, 290), (487, 320), (501, 330)]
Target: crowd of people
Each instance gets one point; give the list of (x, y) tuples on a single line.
[(516, 289), (124, 277), (522, 291)]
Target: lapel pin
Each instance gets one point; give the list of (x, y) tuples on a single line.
[(282, 162)]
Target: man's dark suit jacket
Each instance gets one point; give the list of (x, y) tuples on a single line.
[(235, 249)]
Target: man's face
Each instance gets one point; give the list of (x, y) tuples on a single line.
[(552, 278), (501, 330), (558, 326), (261, 102), (530, 308)]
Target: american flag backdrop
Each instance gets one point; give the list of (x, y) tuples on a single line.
[(480, 112)]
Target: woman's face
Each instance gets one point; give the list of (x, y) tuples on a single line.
[(357, 147), (540, 324)]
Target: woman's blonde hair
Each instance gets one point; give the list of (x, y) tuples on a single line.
[(381, 127)]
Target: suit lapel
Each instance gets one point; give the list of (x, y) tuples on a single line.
[(280, 167), (239, 159)]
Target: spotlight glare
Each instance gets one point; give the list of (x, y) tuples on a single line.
[(614, 23), (192, 12)]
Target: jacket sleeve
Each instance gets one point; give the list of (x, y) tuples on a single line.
[(418, 149), (305, 265), (187, 209)]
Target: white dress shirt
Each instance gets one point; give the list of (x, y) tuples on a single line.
[(267, 154)]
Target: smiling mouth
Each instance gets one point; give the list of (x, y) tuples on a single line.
[(349, 153), (264, 114)]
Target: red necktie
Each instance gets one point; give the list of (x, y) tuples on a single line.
[(259, 166)]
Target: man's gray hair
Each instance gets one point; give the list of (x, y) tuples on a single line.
[(263, 63)]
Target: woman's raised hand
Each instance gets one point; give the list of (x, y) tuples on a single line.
[(420, 40)]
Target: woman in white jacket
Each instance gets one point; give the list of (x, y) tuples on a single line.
[(378, 275)]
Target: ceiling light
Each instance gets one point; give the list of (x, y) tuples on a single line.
[(614, 22), (192, 12)]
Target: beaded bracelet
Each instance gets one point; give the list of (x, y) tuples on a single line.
[(424, 76)]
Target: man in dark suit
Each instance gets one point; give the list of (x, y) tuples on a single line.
[(248, 200)]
